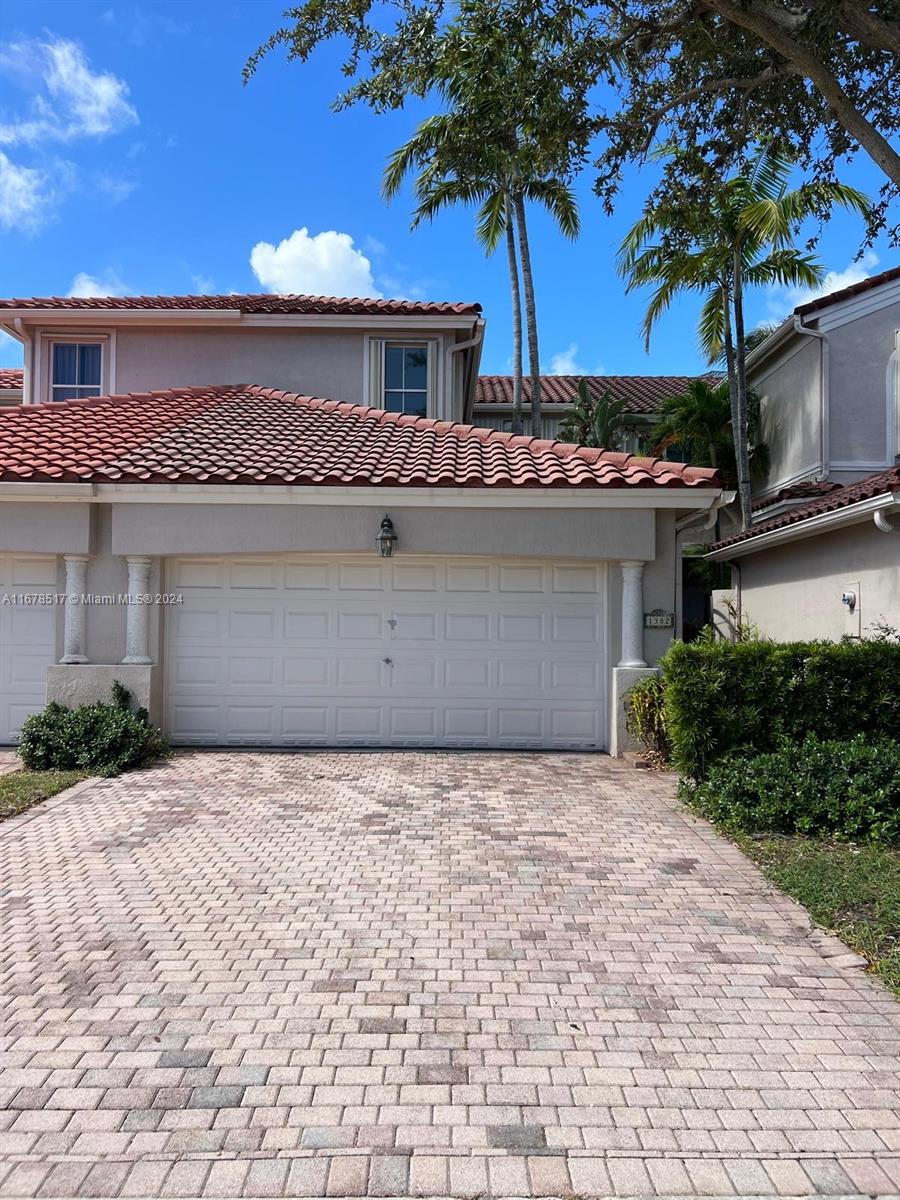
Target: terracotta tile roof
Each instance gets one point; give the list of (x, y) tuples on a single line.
[(305, 305), (797, 491), (11, 378), (247, 434), (644, 393), (839, 497), (855, 289)]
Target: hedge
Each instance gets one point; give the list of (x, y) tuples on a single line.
[(723, 698), (841, 789), (99, 739)]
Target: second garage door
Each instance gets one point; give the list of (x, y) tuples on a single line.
[(27, 638), (302, 651)]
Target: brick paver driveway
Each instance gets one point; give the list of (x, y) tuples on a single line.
[(266, 975)]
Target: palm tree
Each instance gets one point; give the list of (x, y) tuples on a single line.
[(455, 166), (737, 236), (595, 421), (511, 132), (698, 422)]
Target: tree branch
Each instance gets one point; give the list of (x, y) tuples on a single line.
[(754, 19), (745, 85)]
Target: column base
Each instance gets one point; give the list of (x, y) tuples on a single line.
[(68, 659), (91, 683), (138, 660), (623, 680)]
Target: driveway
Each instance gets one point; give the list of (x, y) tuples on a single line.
[(422, 974)]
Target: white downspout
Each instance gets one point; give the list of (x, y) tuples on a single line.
[(824, 388), (477, 339)]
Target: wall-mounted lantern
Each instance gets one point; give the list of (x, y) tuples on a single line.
[(386, 539)]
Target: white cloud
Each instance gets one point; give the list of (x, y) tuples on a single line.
[(566, 363), (783, 300), (115, 188), (325, 263), (24, 195), (108, 284), (70, 101)]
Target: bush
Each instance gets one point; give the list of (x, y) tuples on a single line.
[(645, 714), (844, 789), (99, 739), (723, 697)]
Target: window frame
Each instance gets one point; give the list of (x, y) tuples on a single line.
[(45, 388), (377, 348)]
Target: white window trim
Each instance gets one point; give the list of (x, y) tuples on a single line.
[(42, 387), (373, 370)]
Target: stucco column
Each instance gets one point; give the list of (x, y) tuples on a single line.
[(137, 630), (632, 615), (76, 585)]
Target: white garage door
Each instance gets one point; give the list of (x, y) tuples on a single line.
[(27, 639), (303, 651)]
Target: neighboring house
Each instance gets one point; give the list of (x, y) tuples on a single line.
[(248, 513), (644, 394), (822, 558), (821, 567), (829, 384), (10, 386)]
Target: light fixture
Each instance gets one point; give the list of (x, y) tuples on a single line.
[(386, 537)]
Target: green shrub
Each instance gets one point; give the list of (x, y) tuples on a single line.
[(844, 789), (100, 739), (645, 714), (723, 697)]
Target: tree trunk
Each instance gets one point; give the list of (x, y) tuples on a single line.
[(515, 292), (741, 448), (534, 363), (730, 367)]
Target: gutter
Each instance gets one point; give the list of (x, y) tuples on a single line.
[(824, 382), (876, 507)]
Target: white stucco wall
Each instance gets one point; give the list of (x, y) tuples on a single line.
[(793, 592), (790, 392), (321, 362), (859, 355)]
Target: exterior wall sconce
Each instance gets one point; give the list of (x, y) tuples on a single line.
[(386, 539)]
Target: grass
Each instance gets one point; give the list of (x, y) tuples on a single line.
[(853, 891), (23, 789)]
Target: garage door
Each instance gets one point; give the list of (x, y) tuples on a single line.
[(386, 652), (27, 639)]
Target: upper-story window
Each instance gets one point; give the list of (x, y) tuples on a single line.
[(405, 378), (76, 370)]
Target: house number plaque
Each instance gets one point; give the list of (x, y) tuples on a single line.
[(659, 619)]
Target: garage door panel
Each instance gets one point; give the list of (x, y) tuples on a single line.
[(27, 638), (307, 672), (388, 652)]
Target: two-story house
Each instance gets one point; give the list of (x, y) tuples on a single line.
[(267, 516), (819, 559)]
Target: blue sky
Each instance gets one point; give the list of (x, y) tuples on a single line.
[(132, 159)]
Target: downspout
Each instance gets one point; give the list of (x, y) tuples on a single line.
[(824, 384), (476, 341)]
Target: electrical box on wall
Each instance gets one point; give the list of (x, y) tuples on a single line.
[(852, 610)]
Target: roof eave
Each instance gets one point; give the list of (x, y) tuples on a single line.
[(629, 497), (833, 518)]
